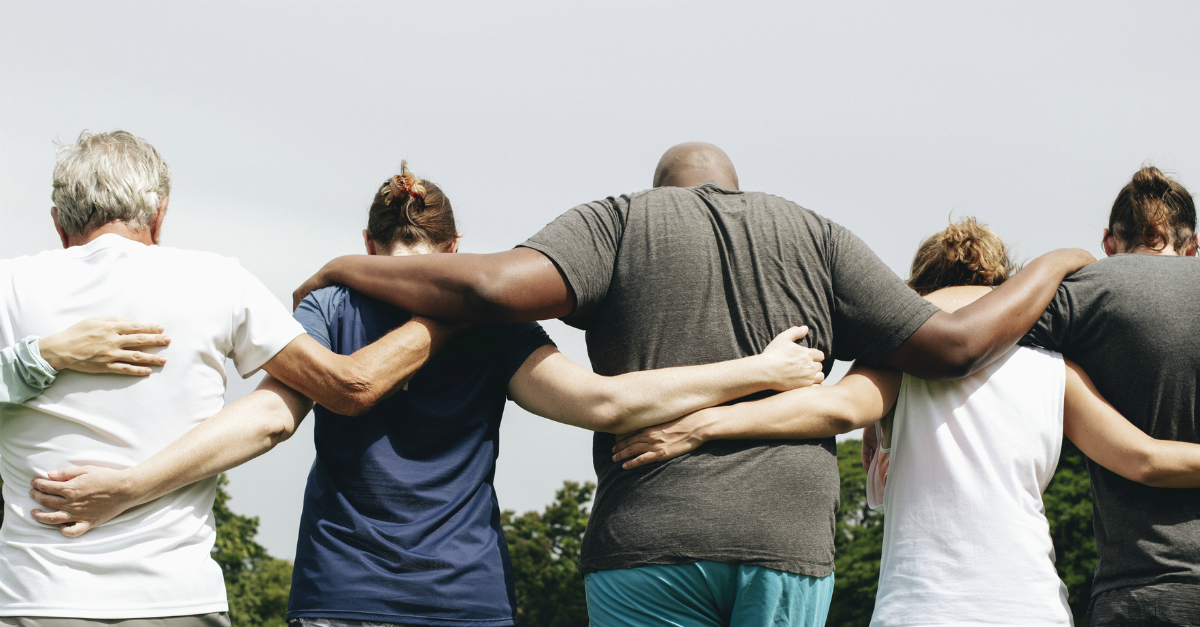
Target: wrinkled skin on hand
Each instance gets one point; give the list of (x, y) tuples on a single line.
[(81, 499)]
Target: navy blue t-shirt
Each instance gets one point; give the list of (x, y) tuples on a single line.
[(401, 522)]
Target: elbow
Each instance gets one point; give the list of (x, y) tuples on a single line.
[(845, 423), (355, 397), (608, 416), (956, 359)]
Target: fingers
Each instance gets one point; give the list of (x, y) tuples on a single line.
[(117, 367), (138, 357), (642, 460), (817, 355), (50, 518), (66, 474), (76, 529), (130, 327), (126, 340), (793, 334), (48, 500)]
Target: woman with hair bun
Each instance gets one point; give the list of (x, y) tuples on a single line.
[(401, 523), (963, 464)]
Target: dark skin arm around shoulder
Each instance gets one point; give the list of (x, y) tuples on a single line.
[(953, 345), (518, 285), (522, 284)]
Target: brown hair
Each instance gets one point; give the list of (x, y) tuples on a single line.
[(410, 211), (965, 253), (1153, 210)]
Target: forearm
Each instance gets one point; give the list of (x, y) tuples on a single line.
[(637, 400), (817, 412), (518, 285), (240, 432), (351, 384), (951, 346)]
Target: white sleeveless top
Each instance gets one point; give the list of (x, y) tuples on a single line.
[(966, 540)]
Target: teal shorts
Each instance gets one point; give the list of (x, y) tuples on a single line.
[(706, 594)]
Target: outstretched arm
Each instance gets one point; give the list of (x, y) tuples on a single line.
[(862, 397), (551, 385), (953, 345), (1110, 440), (90, 496), (518, 285), (351, 384)]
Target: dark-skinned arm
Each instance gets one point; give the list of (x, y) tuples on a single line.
[(518, 285), (352, 384), (953, 345)]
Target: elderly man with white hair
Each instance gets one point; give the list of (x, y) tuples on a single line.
[(152, 562)]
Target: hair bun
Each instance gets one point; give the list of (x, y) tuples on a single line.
[(1151, 182), (404, 185)]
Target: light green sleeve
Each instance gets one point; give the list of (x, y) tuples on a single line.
[(23, 372)]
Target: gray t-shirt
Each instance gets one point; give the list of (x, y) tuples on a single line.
[(683, 276), (1133, 323)]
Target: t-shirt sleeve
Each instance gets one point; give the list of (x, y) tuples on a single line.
[(317, 310), (526, 338), (583, 243), (1053, 329), (874, 312), (261, 324)]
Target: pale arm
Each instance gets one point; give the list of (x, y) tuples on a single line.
[(89, 496), (351, 384), (1105, 436), (551, 385), (862, 397)]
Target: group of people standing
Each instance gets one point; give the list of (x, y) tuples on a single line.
[(709, 314)]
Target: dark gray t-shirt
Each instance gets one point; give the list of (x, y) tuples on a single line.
[(1133, 323), (683, 276)]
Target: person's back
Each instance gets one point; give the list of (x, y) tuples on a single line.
[(401, 498), (674, 276), (1131, 322), (155, 558), (966, 540)]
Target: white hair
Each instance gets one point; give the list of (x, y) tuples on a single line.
[(108, 177)]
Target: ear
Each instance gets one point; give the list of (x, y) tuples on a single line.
[(1110, 244), (1193, 245), (62, 234), (156, 223), (370, 243), (453, 248)]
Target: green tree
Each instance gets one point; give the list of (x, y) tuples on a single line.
[(545, 558), (857, 542), (256, 583), (1068, 501)]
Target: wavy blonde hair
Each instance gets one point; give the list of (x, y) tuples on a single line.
[(965, 253)]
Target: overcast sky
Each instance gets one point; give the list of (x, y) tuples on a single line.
[(279, 120)]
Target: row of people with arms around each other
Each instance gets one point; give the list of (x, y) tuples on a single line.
[(692, 294)]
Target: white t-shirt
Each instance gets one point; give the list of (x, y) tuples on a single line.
[(966, 540), (153, 560)]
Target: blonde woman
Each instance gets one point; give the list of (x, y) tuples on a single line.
[(966, 541)]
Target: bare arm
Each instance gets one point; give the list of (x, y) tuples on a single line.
[(953, 345), (89, 496), (1110, 440), (551, 385), (863, 396), (351, 384), (516, 285)]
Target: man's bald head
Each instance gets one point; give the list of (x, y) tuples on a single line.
[(693, 163)]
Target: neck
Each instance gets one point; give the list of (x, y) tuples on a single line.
[(142, 236), (1167, 250)]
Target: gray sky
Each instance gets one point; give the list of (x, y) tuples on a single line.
[(280, 119)]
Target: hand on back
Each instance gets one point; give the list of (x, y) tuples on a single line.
[(793, 366), (101, 345)]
